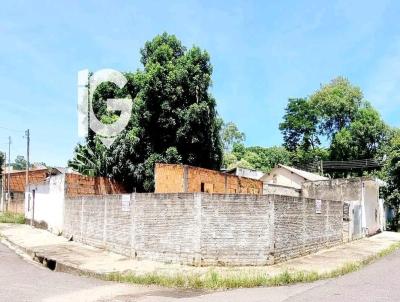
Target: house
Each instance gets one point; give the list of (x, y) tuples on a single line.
[(17, 178), (44, 204), (285, 180), (176, 178), (244, 172), (364, 209)]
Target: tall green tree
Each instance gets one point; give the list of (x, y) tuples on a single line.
[(19, 163), (174, 117), (362, 138), (338, 116), (300, 125), (230, 135), (258, 158), (392, 173), (337, 104)]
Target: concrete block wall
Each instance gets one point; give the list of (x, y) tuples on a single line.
[(236, 229), (167, 227), (360, 190), (300, 230), (204, 229), (99, 221)]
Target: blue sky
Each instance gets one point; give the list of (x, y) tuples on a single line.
[(263, 52)]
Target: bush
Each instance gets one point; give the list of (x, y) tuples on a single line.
[(8, 217)]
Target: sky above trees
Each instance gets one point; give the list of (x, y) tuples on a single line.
[(262, 54)]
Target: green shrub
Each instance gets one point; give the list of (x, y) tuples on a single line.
[(8, 217)]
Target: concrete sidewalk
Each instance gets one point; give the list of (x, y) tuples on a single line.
[(63, 255)]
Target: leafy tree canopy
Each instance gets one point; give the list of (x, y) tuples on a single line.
[(2, 159), (338, 116), (231, 135), (362, 138), (19, 163), (391, 171), (336, 104), (174, 117), (257, 158), (299, 126)]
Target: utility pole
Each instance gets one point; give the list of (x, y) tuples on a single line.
[(27, 186), (9, 172), (27, 159), (3, 182)]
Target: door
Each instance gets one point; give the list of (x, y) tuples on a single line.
[(357, 227)]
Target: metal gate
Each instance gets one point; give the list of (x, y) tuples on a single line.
[(357, 227)]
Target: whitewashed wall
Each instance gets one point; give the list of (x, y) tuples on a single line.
[(49, 203)]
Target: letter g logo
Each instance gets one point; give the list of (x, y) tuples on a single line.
[(106, 132)]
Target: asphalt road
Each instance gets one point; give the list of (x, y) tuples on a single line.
[(24, 280), (21, 280)]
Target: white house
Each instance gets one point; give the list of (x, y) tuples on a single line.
[(285, 180), (44, 201)]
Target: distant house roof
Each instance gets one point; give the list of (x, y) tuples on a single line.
[(245, 172), (62, 170), (233, 170), (18, 180), (306, 175)]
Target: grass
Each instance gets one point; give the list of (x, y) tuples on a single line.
[(8, 217), (213, 280)]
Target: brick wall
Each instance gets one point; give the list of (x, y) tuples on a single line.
[(171, 178), (76, 185), (204, 229), (18, 179)]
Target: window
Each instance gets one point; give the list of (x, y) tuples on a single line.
[(202, 187)]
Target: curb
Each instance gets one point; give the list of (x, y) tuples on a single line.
[(179, 281), (49, 262)]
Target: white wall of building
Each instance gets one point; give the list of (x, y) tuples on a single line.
[(372, 210), (48, 203), (280, 190), (253, 174), (356, 191), (283, 177)]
